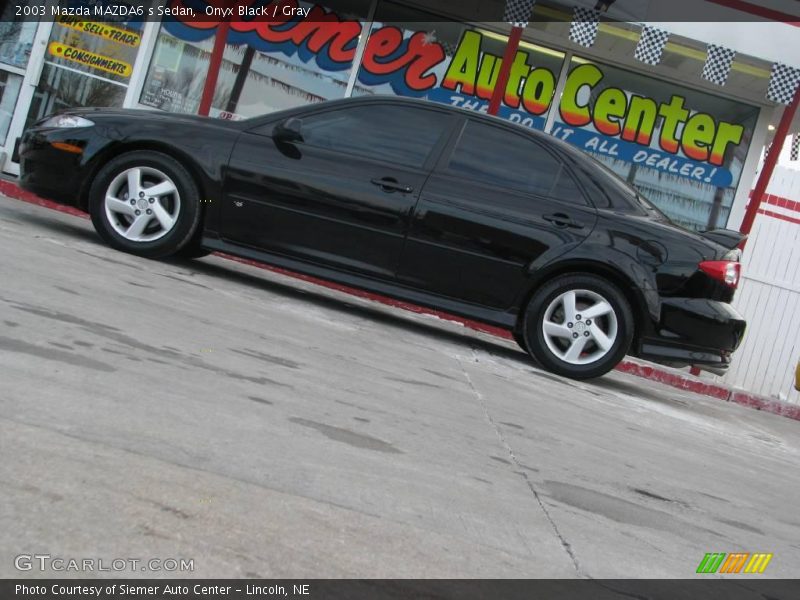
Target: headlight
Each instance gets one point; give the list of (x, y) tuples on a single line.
[(64, 121)]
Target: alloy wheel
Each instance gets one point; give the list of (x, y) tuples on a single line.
[(580, 327), (142, 204)]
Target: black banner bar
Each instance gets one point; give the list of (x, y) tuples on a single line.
[(485, 11), (744, 588)]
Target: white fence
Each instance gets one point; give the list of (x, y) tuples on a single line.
[(769, 294)]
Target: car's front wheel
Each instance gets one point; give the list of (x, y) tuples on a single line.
[(579, 326), (145, 203)]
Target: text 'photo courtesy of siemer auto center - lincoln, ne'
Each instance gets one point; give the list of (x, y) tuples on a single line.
[(399, 298)]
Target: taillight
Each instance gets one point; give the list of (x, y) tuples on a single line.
[(726, 271)]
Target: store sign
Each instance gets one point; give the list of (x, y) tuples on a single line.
[(403, 62), (103, 30), (90, 59), (667, 137)]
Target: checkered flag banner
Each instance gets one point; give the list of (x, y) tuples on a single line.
[(795, 154), (585, 22), (718, 64), (518, 12), (783, 83), (651, 45)]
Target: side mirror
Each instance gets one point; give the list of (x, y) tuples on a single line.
[(290, 130)]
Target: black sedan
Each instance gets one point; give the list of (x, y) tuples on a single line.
[(441, 207)]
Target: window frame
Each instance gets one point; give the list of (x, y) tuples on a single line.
[(265, 128)]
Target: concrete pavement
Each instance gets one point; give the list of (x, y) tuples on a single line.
[(266, 427)]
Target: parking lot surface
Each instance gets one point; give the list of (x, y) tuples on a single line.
[(264, 426)]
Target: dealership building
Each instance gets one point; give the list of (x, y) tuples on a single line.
[(689, 142), (683, 110)]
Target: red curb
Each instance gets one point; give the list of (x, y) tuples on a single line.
[(776, 407), (675, 380), (645, 371), (420, 310), (12, 190)]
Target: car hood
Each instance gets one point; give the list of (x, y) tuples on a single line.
[(133, 113)]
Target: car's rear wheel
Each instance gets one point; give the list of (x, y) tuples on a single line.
[(145, 203), (579, 326)]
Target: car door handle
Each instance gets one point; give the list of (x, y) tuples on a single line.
[(390, 184), (562, 220)]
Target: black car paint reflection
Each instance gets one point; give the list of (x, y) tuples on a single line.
[(418, 230)]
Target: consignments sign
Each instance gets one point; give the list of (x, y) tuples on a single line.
[(90, 59)]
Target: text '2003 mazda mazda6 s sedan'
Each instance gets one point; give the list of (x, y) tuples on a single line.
[(438, 206)]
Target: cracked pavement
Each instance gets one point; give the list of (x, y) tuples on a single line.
[(267, 427)]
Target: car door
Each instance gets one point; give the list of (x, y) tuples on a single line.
[(497, 201), (343, 194)]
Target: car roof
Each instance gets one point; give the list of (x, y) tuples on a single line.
[(542, 137), (428, 104)]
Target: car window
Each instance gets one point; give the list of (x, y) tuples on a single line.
[(603, 184), (566, 189), (499, 157), (397, 134), (595, 189)]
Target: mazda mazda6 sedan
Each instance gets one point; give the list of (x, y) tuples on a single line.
[(438, 206)]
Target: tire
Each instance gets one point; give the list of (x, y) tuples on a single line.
[(519, 337), (585, 347), (163, 214), (193, 248)]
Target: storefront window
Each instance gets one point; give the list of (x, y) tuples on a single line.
[(106, 50), (16, 38), (62, 88), (87, 63), (303, 60), (682, 148), (9, 90), (455, 64), (177, 73)]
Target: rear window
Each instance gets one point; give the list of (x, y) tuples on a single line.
[(604, 186)]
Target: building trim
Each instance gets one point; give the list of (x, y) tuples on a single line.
[(759, 11), (366, 31)]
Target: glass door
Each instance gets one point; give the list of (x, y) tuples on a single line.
[(18, 64), (85, 64), (71, 63)]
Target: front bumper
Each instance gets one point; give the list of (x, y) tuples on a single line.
[(694, 331), (48, 171)]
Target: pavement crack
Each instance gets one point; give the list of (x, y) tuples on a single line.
[(564, 543)]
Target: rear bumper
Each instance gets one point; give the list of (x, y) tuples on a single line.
[(694, 331)]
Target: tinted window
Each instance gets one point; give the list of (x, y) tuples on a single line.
[(566, 189), (503, 159), (396, 134)]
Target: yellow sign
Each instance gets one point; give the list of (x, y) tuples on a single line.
[(115, 34), (90, 59)]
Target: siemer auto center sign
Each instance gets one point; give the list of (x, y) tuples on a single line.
[(669, 137)]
